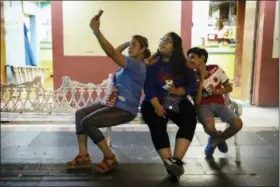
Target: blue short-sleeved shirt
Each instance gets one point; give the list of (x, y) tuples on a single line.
[(130, 82)]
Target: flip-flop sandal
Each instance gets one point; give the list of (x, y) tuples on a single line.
[(105, 166), (79, 162)]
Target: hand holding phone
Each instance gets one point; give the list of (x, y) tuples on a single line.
[(95, 21), (99, 14)]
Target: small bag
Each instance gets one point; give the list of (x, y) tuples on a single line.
[(172, 102), (111, 94)]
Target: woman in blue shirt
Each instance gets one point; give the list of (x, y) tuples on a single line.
[(167, 85), (121, 105)]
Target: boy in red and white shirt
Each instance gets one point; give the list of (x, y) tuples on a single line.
[(212, 85)]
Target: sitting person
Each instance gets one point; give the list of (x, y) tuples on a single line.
[(167, 84), (121, 105), (210, 103)]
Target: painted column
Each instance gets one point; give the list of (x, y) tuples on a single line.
[(3, 50), (266, 79), (248, 49)]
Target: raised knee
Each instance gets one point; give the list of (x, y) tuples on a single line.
[(85, 123), (78, 117), (79, 114), (237, 124)]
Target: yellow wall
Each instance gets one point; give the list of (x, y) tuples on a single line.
[(275, 53), (225, 61), (121, 20), (3, 50), (3, 58), (46, 62), (46, 55)]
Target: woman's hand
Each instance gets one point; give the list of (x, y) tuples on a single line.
[(160, 111), (202, 72), (179, 91), (95, 21), (107, 47), (173, 90), (153, 59)]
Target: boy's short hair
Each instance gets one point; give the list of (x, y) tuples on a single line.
[(199, 52), (205, 54), (195, 50)]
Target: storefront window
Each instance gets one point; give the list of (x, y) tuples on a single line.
[(214, 28), (222, 23)]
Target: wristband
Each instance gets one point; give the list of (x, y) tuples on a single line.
[(96, 32)]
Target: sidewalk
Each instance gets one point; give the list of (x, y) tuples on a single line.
[(34, 157), (35, 147)]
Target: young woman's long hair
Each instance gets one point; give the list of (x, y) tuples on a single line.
[(177, 63)]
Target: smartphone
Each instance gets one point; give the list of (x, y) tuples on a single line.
[(99, 13)]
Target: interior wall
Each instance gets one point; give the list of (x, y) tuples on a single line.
[(120, 21), (87, 67)]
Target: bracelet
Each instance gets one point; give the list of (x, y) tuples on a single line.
[(96, 32)]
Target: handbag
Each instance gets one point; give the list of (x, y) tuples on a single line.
[(111, 93), (172, 102)]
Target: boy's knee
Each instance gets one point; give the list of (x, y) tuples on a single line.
[(210, 131), (209, 127), (237, 124)]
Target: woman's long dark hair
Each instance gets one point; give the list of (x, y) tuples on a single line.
[(178, 60)]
